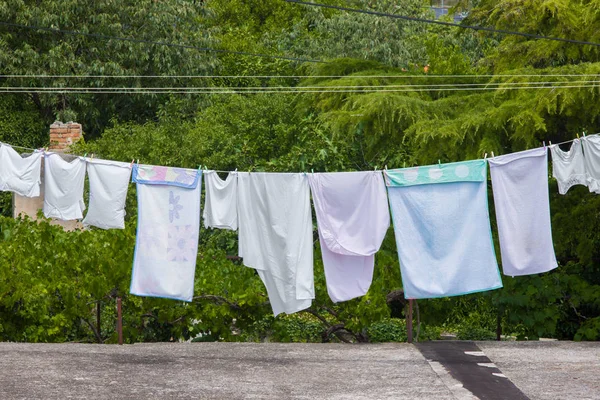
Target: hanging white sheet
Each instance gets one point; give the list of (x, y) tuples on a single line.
[(442, 228), (166, 247), (63, 187), (275, 236), (220, 201), (353, 218), (109, 181), (20, 175), (520, 185)]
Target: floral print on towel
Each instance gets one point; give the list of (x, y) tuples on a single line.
[(183, 241)]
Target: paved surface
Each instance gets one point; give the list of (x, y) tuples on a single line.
[(281, 371), (549, 370)]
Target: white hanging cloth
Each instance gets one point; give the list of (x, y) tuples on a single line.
[(63, 187), (353, 218), (442, 228), (591, 156), (520, 186), (109, 181), (568, 167), (275, 236), (166, 244), (220, 201), (20, 175)]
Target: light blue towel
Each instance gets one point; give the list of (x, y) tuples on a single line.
[(166, 245), (442, 229)]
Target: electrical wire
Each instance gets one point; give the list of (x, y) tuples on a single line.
[(260, 88), (292, 76), (234, 91), (431, 21), (177, 45)]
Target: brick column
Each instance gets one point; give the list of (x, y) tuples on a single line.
[(62, 136)]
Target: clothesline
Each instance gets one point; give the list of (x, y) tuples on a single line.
[(206, 169)]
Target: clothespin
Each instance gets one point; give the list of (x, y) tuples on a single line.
[(485, 156), (131, 165), (312, 171), (583, 132), (544, 143), (375, 168), (493, 154), (578, 136), (385, 167), (85, 155), (439, 162), (550, 141), (138, 161), (404, 164), (92, 156)]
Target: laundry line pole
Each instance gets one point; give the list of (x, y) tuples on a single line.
[(409, 321), (119, 321)]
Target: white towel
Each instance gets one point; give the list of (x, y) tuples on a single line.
[(20, 175), (220, 201), (353, 218), (109, 181), (591, 156), (568, 167), (63, 187), (442, 228), (166, 245), (520, 185), (275, 236)]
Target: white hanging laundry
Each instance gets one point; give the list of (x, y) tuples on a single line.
[(568, 167), (220, 201), (63, 187), (591, 157), (520, 185), (20, 175), (109, 181), (275, 236), (166, 246), (442, 229), (353, 218)]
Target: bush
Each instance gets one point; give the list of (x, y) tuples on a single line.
[(475, 333), (388, 330)]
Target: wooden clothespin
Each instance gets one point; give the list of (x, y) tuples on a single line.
[(493, 154), (485, 156)]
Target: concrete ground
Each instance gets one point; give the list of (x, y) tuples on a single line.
[(541, 370)]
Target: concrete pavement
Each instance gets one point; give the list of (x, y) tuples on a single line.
[(281, 371)]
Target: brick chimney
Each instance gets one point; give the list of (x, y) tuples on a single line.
[(63, 135)]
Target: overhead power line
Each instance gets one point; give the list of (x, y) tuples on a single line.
[(399, 76), (431, 86), (177, 45), (288, 90), (433, 21)]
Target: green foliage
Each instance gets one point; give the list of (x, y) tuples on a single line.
[(25, 51), (388, 330), (475, 333)]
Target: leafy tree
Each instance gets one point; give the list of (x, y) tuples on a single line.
[(35, 52)]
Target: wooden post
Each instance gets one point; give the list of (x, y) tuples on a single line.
[(409, 321), (98, 321), (119, 321)]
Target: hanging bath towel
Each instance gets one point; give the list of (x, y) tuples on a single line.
[(442, 228), (109, 181), (220, 201), (275, 236), (353, 218), (63, 187), (520, 185), (568, 167), (591, 156), (20, 175), (166, 245)]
